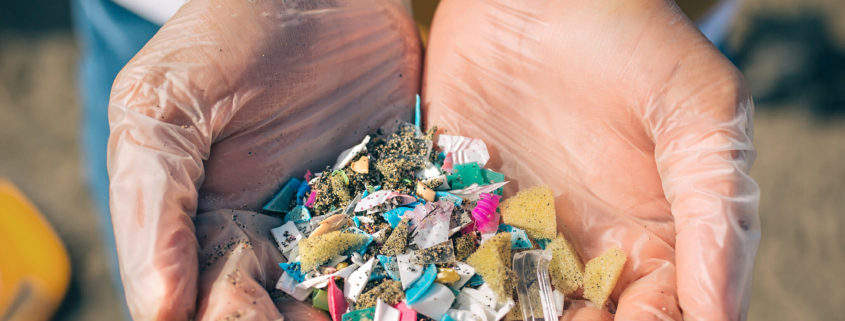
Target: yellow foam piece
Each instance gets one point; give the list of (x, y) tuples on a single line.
[(314, 251), (492, 260), (532, 210), (566, 269), (601, 274)]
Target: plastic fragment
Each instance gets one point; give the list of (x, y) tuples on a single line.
[(299, 214), (288, 285), (435, 302), (446, 317), (355, 283), (542, 243), (395, 215), (448, 164), (428, 172), (385, 312), (471, 193), (361, 166), (320, 299), (301, 191), (312, 197), (417, 113), (519, 239), (293, 269), (447, 276), (287, 236), (346, 156), (533, 288), (280, 203), (419, 288), (465, 271), (408, 271), (397, 242), (463, 149), (361, 248), (308, 175), (367, 314), (559, 300), (424, 192), (322, 280), (390, 266), (433, 228), (342, 175), (484, 214), (337, 303), (379, 197), (406, 313), (464, 175), (449, 197)]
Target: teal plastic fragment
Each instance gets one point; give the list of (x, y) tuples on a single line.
[(464, 175), (395, 215), (292, 268), (356, 221), (475, 281), (390, 266), (491, 177), (367, 314), (363, 248), (417, 113), (519, 239), (421, 285), (449, 197), (446, 316), (543, 243), (281, 201), (299, 214)]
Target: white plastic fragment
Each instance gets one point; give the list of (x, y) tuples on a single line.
[(471, 192), (379, 197), (287, 236), (385, 312), (355, 283), (346, 156), (321, 281), (428, 172), (465, 271), (435, 302), (464, 315), (559, 302), (464, 149), (408, 271), (467, 301), (288, 285)]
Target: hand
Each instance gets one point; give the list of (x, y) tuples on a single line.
[(637, 122), (222, 106)]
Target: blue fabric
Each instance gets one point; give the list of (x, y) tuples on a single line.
[(109, 36)]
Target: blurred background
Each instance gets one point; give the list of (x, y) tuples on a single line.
[(791, 51)]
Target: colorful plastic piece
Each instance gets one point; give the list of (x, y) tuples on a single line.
[(281, 201), (419, 288), (320, 299), (464, 175), (484, 214), (368, 314), (406, 313), (337, 303)]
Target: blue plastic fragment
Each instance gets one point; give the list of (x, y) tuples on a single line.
[(281, 201), (475, 281), (303, 189), (356, 221), (446, 316), (519, 239), (363, 248), (417, 113), (421, 285), (390, 266), (299, 214), (543, 243), (293, 269), (395, 215), (449, 197)]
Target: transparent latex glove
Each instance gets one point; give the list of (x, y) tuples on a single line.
[(223, 105), (638, 123)]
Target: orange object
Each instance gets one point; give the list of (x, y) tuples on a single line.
[(34, 265)]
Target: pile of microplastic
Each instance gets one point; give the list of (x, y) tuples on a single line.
[(399, 229)]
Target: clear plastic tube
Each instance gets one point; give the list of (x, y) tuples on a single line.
[(534, 290)]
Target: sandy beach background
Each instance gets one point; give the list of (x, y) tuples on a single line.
[(792, 52)]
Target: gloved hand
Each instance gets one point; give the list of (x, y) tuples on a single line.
[(637, 122), (222, 106)]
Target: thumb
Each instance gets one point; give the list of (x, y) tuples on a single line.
[(703, 151)]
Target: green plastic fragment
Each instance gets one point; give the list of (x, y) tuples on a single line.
[(343, 175), (464, 175), (320, 299), (491, 177), (367, 314)]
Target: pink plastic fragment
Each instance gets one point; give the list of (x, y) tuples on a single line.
[(308, 175), (337, 303), (447, 163), (484, 214), (405, 312), (311, 198)]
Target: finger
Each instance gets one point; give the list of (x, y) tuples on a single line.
[(701, 126), (650, 296), (580, 310)]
